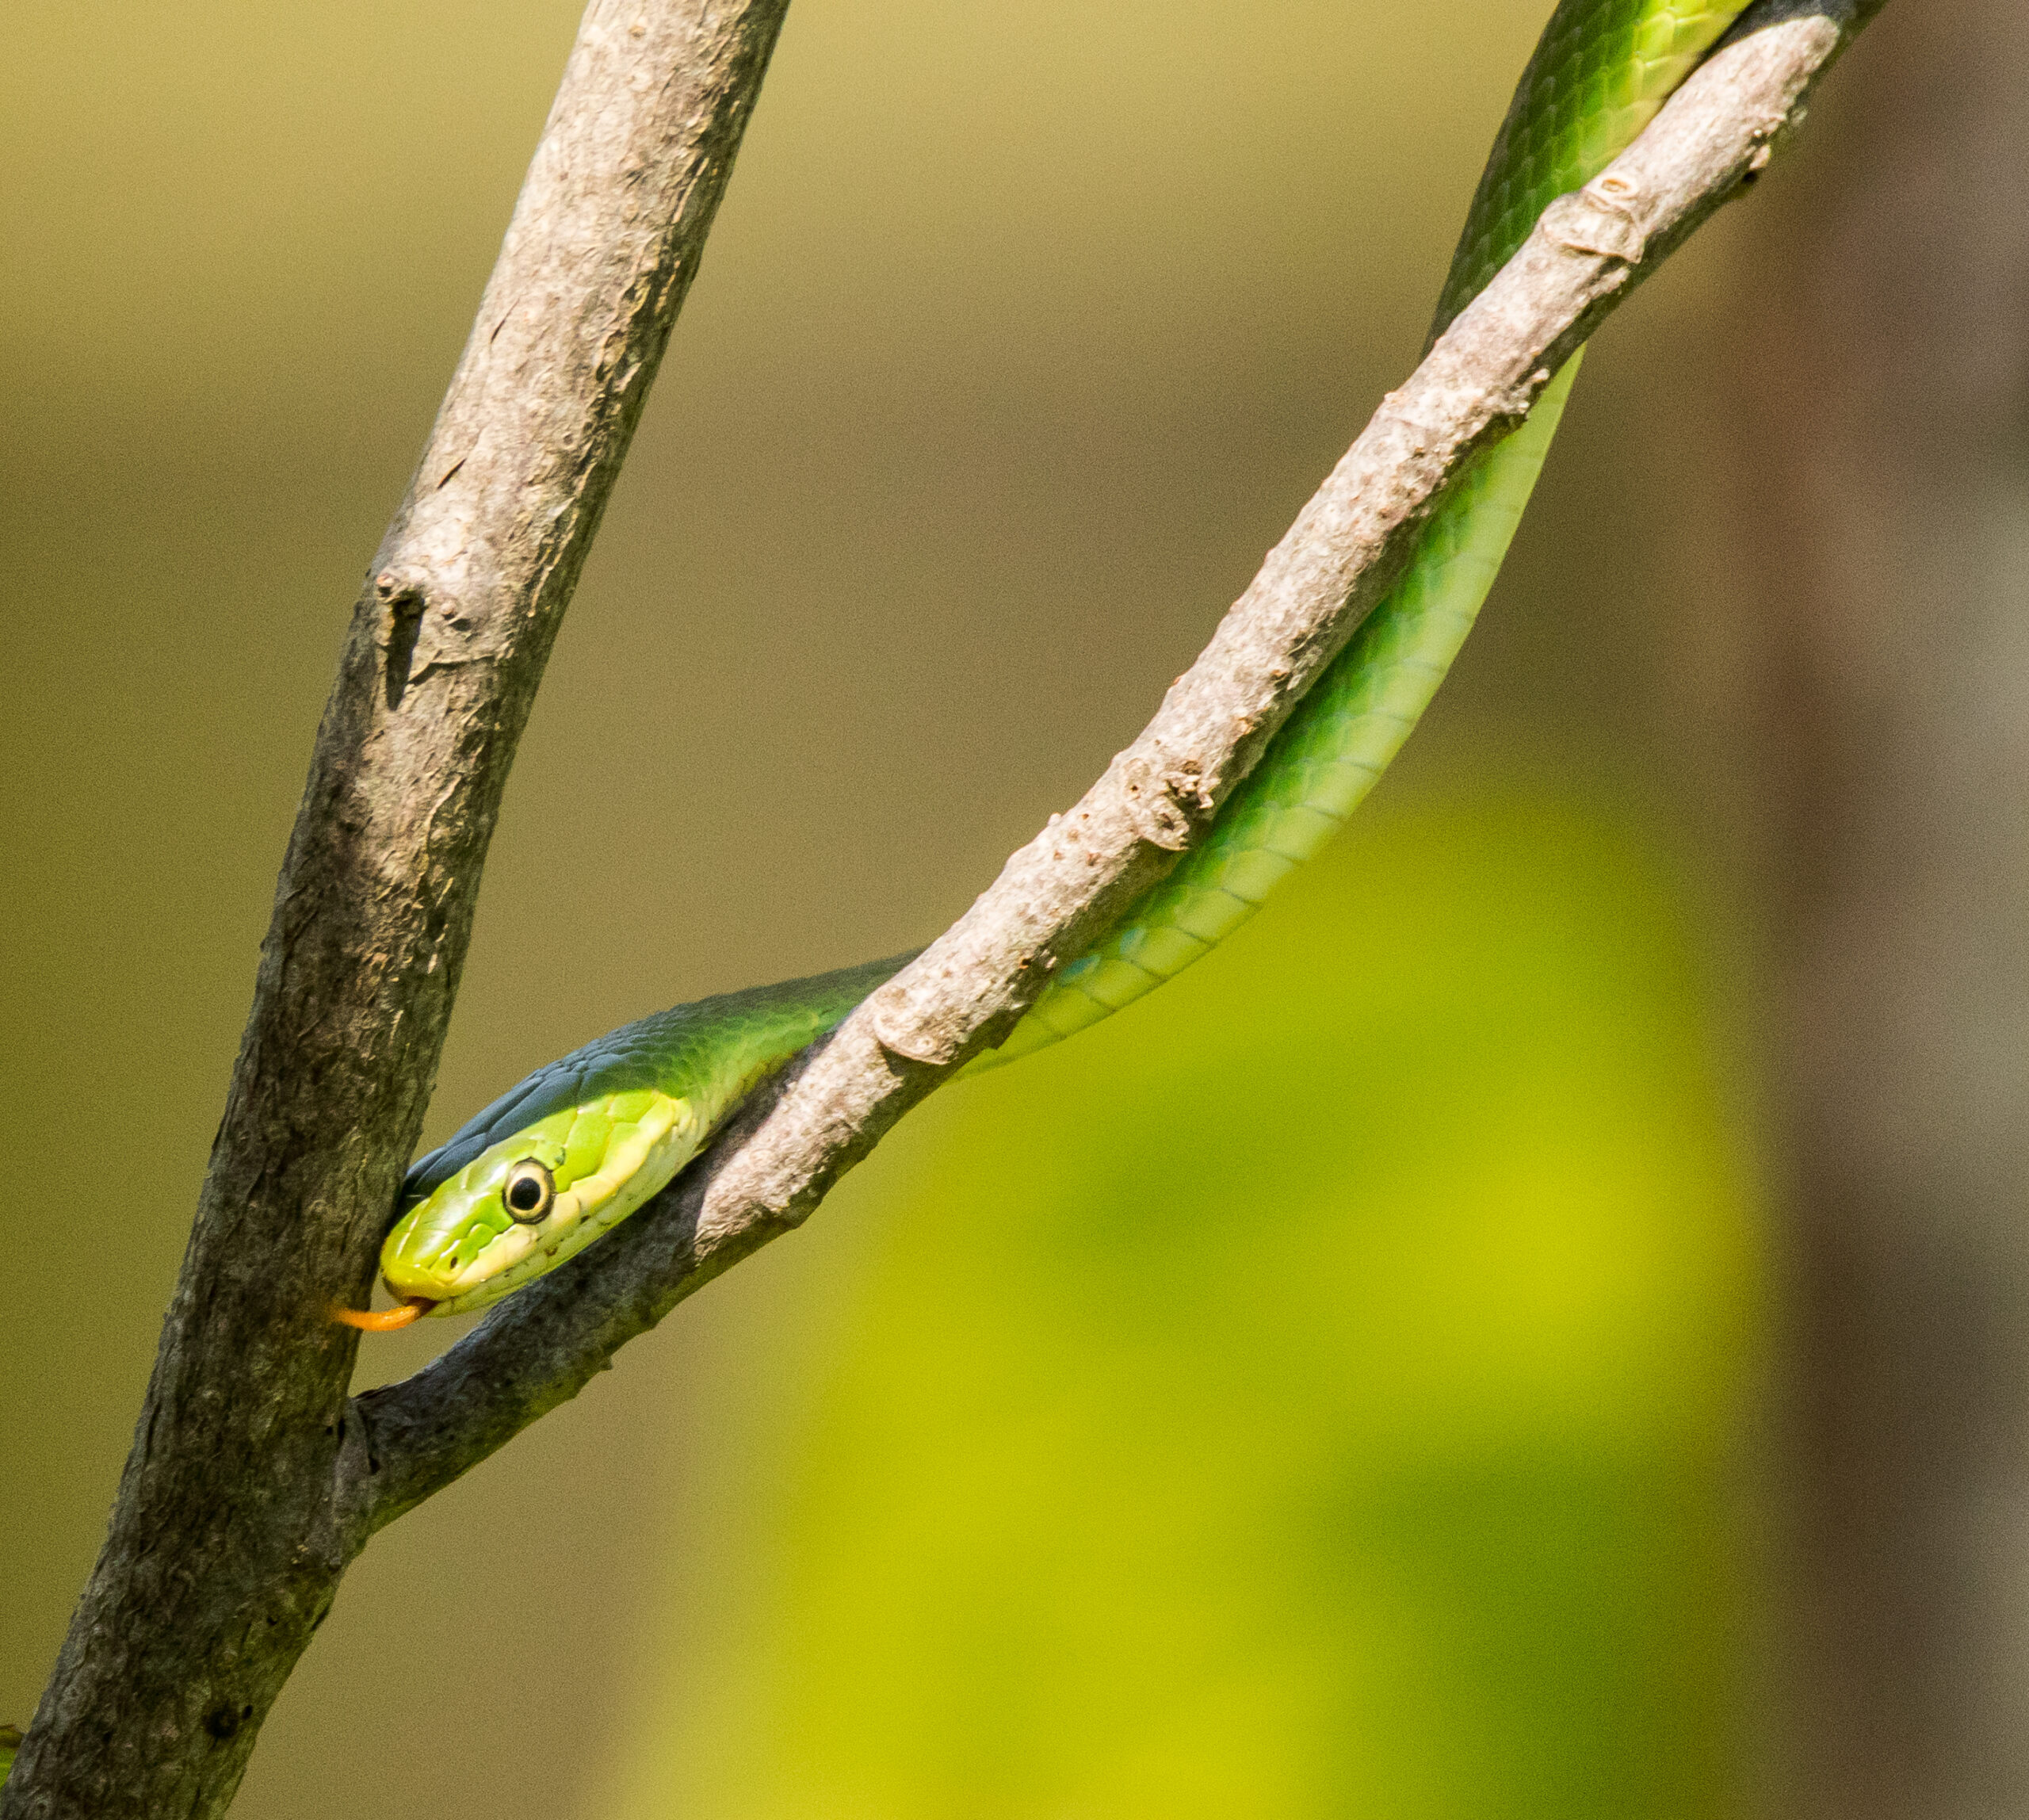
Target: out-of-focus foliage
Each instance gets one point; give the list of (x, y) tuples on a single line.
[(1311, 1395)]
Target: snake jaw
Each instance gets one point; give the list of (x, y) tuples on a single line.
[(385, 1320)]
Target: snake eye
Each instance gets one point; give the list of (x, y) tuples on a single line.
[(528, 1190)]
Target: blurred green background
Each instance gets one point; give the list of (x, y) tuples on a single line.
[(1328, 1390)]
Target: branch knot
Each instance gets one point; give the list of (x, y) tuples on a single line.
[(916, 1026), (1164, 805), (1602, 218)]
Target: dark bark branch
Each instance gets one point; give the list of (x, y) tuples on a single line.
[(224, 1553), (764, 1176)]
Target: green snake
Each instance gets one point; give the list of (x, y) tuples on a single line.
[(579, 1145)]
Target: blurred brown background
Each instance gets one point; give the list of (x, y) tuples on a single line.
[(1887, 644), (1024, 330)]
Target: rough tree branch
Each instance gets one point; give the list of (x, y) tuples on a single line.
[(222, 1556), (253, 1481), (770, 1170)]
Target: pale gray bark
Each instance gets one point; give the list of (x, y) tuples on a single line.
[(253, 1481), (1890, 367)]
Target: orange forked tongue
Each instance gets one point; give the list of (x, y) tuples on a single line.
[(385, 1320)]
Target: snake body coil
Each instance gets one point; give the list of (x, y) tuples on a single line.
[(582, 1143)]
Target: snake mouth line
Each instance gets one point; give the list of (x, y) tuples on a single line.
[(385, 1320)]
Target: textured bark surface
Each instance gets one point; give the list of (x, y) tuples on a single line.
[(222, 1555), (1055, 895), (1891, 366)]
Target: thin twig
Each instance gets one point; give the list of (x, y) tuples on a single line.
[(766, 1174)]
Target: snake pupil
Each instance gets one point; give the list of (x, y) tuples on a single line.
[(529, 1191)]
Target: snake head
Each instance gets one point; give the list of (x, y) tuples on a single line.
[(531, 1200)]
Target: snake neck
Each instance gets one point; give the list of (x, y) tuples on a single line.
[(716, 1051)]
